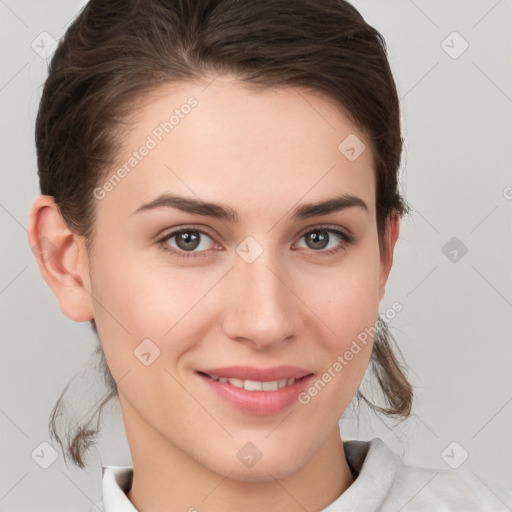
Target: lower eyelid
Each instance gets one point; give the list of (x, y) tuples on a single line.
[(345, 241)]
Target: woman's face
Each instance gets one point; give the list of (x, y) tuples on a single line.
[(269, 288)]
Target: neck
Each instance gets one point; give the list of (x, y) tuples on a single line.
[(166, 478)]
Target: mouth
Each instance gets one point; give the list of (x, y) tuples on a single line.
[(256, 397), (255, 385)]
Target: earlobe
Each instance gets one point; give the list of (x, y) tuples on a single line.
[(390, 238), (61, 257)]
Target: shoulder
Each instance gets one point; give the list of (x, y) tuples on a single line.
[(384, 483), (421, 488)]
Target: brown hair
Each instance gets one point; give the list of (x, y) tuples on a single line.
[(117, 51)]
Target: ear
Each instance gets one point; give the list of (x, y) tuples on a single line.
[(61, 257), (390, 237)]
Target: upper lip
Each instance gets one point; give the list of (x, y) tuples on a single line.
[(258, 374)]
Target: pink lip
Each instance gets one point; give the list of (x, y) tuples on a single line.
[(259, 402), (253, 373)]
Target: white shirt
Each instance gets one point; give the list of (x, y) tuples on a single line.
[(383, 484)]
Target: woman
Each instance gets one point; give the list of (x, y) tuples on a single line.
[(220, 200)]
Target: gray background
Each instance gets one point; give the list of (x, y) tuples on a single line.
[(454, 330)]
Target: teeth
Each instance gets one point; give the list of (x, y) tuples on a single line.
[(256, 385)]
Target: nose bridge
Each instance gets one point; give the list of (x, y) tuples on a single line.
[(262, 305)]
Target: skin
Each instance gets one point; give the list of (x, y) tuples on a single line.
[(262, 153)]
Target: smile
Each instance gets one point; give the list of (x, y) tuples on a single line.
[(255, 385), (257, 397)]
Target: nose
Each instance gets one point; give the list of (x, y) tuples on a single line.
[(262, 310)]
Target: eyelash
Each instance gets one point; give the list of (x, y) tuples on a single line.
[(346, 241)]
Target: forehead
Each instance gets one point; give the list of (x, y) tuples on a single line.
[(223, 141)]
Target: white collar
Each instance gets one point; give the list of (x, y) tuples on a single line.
[(116, 482)]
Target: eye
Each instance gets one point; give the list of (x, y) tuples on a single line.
[(320, 238), (187, 240)]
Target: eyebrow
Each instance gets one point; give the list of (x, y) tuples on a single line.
[(199, 207)]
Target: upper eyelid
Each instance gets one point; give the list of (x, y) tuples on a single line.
[(326, 227), (176, 231)]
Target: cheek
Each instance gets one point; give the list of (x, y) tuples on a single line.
[(351, 314), (354, 307), (349, 306), (348, 299), (138, 299)]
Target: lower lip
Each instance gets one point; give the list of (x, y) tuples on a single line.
[(258, 402)]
